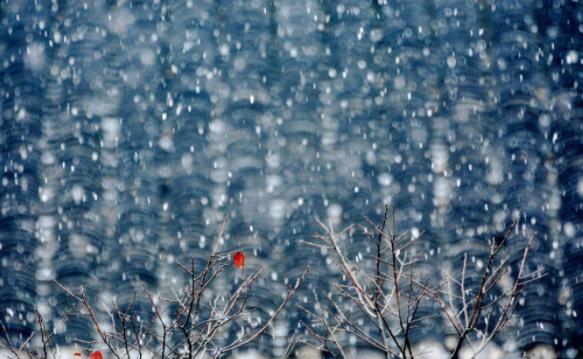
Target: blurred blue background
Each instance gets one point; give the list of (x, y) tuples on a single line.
[(130, 129)]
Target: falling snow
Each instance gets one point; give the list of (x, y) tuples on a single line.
[(129, 130)]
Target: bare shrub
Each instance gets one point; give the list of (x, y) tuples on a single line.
[(187, 333), (389, 296)]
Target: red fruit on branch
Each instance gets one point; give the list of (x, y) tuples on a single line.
[(239, 260)]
